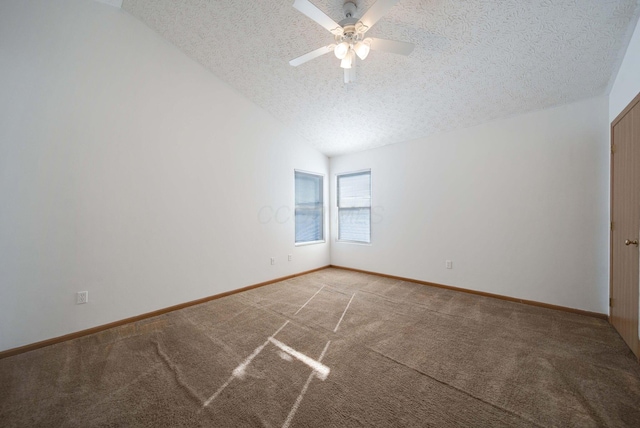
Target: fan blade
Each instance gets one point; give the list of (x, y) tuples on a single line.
[(309, 9), (311, 55), (375, 12), (393, 46)]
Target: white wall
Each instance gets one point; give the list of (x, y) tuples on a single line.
[(626, 87), (128, 170), (627, 83), (519, 205)]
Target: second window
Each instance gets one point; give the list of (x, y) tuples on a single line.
[(354, 207)]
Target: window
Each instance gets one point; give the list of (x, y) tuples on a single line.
[(354, 207), (309, 210)]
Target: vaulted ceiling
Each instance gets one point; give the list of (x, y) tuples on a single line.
[(474, 61)]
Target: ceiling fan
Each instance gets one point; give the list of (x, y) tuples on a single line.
[(349, 35)]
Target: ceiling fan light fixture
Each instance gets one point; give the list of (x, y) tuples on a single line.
[(347, 61), (349, 34), (362, 48), (341, 50)]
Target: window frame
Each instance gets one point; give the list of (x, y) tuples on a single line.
[(295, 207), (370, 207)]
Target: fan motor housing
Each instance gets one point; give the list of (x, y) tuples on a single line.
[(350, 35)]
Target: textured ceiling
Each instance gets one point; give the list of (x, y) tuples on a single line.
[(474, 61)]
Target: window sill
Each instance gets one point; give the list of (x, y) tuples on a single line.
[(302, 244), (366, 244)]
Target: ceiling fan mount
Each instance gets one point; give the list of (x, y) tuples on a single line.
[(349, 35), (349, 8)]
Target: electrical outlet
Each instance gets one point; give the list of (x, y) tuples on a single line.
[(290, 257), (82, 297), (273, 260), (449, 264)]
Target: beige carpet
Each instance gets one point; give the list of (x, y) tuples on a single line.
[(333, 348)]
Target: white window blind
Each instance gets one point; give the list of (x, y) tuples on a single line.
[(309, 210), (354, 207)]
